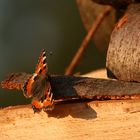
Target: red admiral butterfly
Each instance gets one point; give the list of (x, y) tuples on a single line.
[(37, 85)]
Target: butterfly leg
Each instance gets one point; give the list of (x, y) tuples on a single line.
[(37, 106)]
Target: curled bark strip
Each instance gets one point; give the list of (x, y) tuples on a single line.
[(69, 87), (15, 80)]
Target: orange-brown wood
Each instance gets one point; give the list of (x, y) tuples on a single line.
[(97, 120)]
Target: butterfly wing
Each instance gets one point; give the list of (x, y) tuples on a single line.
[(41, 67), (38, 85), (48, 103), (44, 102)]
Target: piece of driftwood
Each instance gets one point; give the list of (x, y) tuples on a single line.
[(97, 120), (69, 87), (123, 56)]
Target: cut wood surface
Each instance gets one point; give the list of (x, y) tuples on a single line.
[(97, 120)]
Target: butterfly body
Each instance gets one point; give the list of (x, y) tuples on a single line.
[(38, 87)]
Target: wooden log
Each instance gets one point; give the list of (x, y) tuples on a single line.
[(123, 55), (96, 120), (69, 87)]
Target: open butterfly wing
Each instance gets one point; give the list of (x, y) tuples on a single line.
[(41, 67)]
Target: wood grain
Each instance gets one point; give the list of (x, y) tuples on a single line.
[(98, 120)]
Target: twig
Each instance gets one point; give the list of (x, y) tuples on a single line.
[(86, 41)]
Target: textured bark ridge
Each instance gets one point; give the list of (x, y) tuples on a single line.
[(123, 56), (70, 87)]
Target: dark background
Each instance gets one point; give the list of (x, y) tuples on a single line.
[(30, 25)]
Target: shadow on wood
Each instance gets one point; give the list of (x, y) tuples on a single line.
[(76, 110)]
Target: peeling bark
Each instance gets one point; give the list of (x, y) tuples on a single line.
[(69, 87)]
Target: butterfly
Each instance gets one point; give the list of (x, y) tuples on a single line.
[(38, 86)]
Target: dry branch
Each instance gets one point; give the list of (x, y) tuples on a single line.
[(89, 11), (86, 40)]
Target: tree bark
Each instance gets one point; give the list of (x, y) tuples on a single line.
[(69, 87), (123, 56)]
